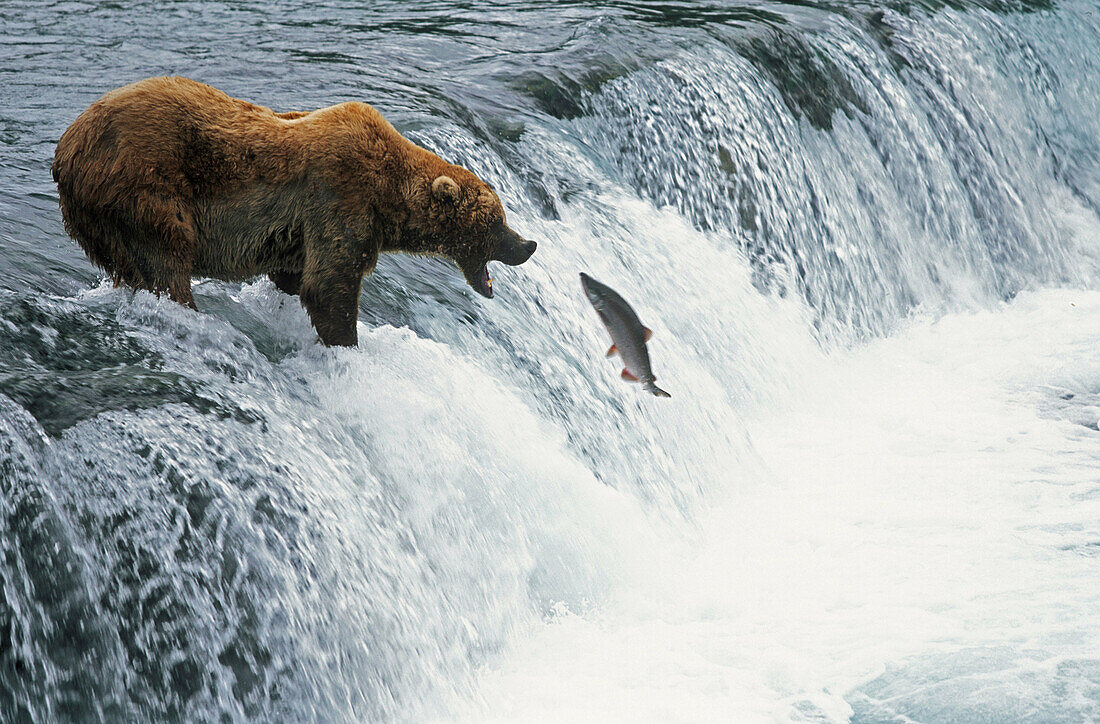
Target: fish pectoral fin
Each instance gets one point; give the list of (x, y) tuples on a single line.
[(613, 351), (648, 333), (627, 376)]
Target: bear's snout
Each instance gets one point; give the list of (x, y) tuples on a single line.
[(513, 249)]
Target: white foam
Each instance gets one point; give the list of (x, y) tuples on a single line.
[(925, 506)]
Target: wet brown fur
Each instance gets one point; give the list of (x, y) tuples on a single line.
[(168, 178)]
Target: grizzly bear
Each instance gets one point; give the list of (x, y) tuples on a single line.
[(168, 178)]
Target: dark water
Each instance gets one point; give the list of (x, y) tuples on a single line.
[(205, 516)]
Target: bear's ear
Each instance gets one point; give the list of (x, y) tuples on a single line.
[(444, 188)]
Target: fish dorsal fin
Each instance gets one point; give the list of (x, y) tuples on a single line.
[(613, 351), (648, 333), (628, 376)]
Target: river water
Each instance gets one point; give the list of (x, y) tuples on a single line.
[(867, 237)]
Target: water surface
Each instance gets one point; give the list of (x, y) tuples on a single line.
[(866, 236)]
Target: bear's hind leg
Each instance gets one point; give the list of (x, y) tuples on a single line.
[(171, 255), (155, 245), (162, 273), (179, 290)]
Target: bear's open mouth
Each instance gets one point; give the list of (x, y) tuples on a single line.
[(481, 281)]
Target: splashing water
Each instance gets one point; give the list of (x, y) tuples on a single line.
[(867, 240)]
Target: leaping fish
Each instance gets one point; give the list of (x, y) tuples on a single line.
[(628, 334)]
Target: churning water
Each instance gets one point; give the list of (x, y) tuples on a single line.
[(866, 235)]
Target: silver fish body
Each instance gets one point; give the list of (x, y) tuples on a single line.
[(627, 332)]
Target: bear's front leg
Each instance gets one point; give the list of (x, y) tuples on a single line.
[(287, 282), (331, 280), (332, 303)]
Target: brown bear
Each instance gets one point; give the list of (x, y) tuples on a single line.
[(168, 178)]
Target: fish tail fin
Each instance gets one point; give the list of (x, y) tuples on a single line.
[(656, 391)]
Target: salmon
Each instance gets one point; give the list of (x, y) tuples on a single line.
[(628, 334)]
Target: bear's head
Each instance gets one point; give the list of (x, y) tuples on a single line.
[(457, 215)]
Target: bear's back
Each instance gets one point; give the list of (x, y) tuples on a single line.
[(164, 135), (172, 135)]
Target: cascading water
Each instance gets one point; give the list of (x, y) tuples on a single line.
[(867, 236)]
